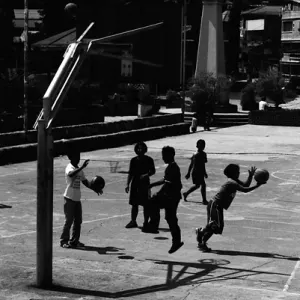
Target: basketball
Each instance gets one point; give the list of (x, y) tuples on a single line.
[(98, 183), (261, 175), (71, 9)]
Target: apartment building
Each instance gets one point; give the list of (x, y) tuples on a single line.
[(290, 39)]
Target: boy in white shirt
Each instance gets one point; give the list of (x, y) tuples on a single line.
[(72, 204)]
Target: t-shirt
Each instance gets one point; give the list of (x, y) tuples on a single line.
[(199, 159), (73, 183), (226, 194), (141, 165), (172, 188)]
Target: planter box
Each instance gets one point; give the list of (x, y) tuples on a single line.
[(144, 110), (276, 117)]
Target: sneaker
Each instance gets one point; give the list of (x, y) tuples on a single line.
[(77, 245), (150, 229), (131, 224), (175, 247), (184, 196), (65, 245), (203, 247), (199, 234)]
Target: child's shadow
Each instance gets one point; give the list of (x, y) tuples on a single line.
[(5, 206), (102, 250)]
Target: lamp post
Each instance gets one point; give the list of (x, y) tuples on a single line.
[(183, 52), (25, 34)]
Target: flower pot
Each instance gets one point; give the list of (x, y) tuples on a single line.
[(144, 109)]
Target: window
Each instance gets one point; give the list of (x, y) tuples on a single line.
[(287, 26)]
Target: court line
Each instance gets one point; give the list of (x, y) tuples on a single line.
[(293, 274), (60, 227), (16, 173)]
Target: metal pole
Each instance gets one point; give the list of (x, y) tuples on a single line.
[(44, 200), (181, 43), (184, 55), (25, 33), (44, 243)]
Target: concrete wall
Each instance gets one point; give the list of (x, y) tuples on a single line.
[(28, 152), (280, 117), (84, 130)]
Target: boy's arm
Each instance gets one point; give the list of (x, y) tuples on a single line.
[(74, 172), (190, 167), (244, 189), (152, 170), (157, 183), (250, 177)]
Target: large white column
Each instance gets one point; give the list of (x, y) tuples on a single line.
[(210, 56)]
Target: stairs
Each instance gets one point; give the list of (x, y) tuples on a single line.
[(224, 119)]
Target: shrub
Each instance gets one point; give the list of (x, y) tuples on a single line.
[(271, 85), (210, 84), (248, 97)]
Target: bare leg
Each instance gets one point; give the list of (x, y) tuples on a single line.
[(203, 193), (190, 190)]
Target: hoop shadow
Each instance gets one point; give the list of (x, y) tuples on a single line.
[(102, 250), (177, 274), (5, 206), (256, 254)]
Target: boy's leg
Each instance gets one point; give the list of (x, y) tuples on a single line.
[(134, 214), (172, 220), (146, 212), (77, 224), (190, 190), (203, 193), (69, 209), (154, 218)]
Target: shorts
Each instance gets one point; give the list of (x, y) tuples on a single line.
[(198, 179), (215, 217)]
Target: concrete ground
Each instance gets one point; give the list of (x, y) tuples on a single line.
[(257, 257)]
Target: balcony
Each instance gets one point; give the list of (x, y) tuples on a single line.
[(290, 15), (290, 36)]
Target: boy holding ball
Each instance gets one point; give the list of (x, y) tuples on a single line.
[(222, 200)]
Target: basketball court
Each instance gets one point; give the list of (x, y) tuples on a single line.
[(257, 257)]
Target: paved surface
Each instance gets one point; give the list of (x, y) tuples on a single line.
[(257, 257)]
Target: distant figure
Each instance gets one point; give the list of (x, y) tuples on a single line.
[(198, 170), (263, 105)]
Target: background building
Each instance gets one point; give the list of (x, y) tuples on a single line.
[(290, 38)]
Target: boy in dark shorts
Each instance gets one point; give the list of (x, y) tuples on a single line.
[(198, 170), (222, 200), (169, 195), (140, 169)]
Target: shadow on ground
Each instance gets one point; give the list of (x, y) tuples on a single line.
[(101, 250), (256, 254), (189, 273), (5, 206)]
